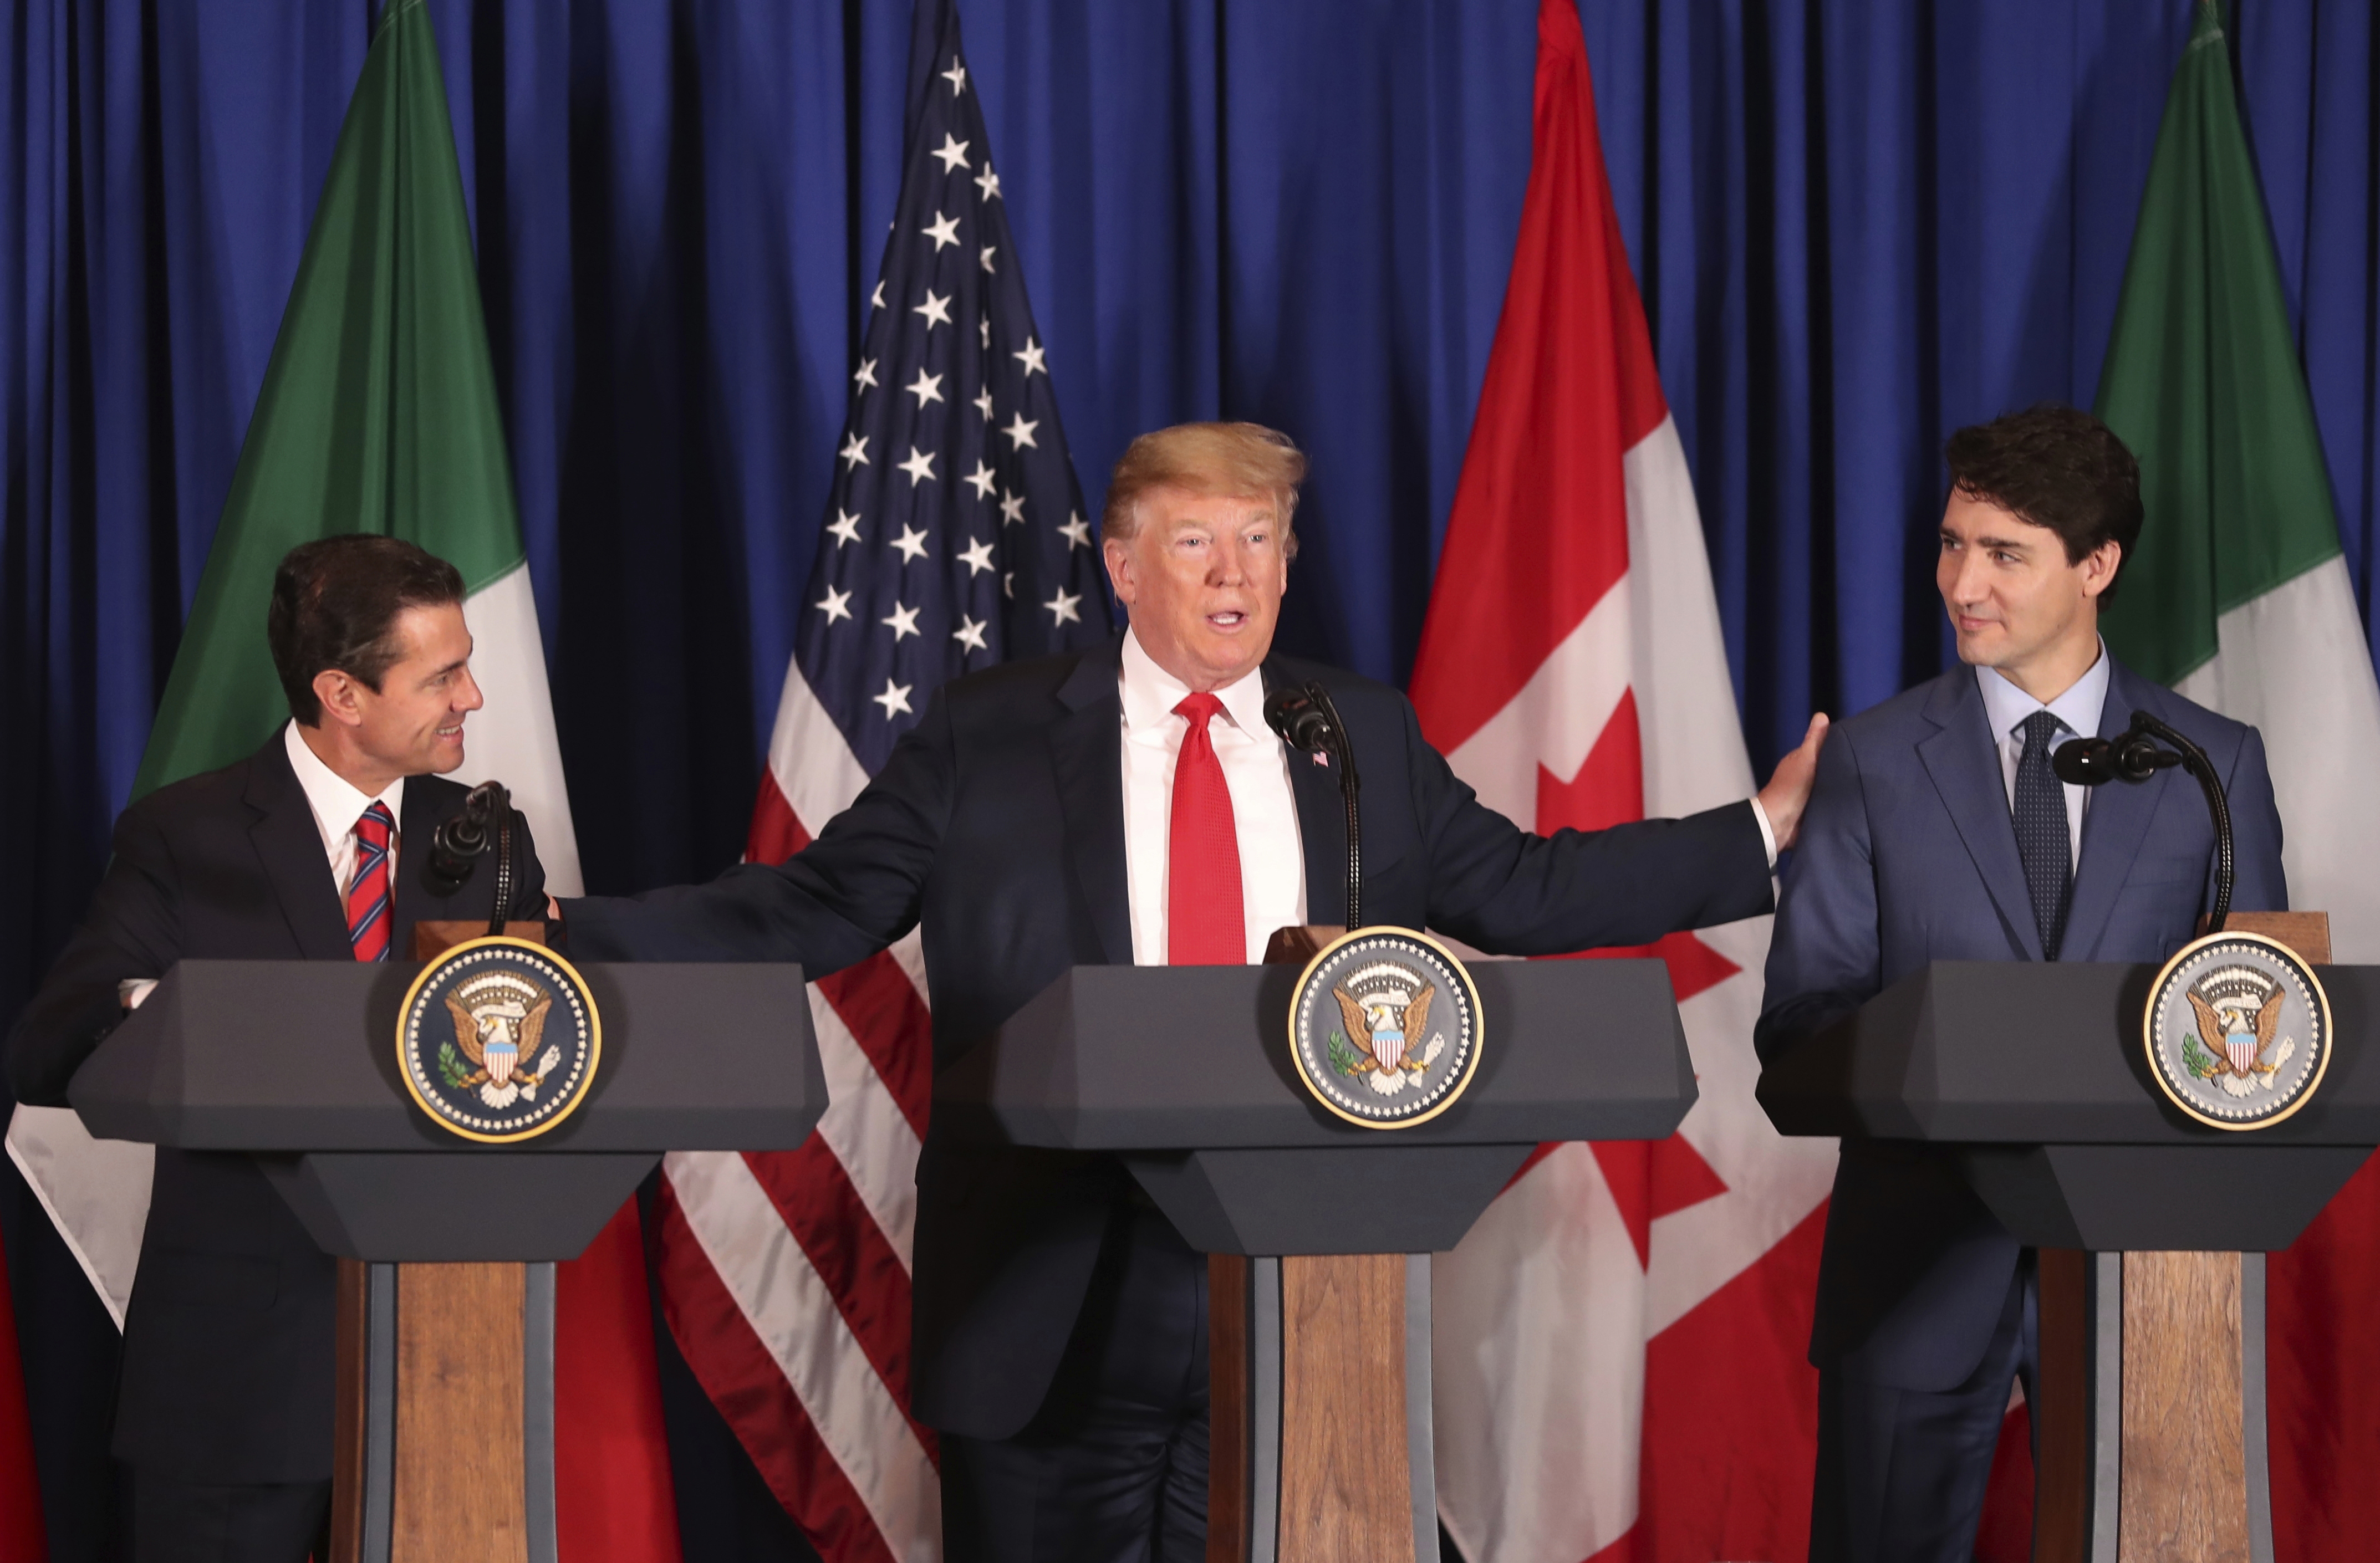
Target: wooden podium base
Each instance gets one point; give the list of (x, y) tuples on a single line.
[(2151, 1412)]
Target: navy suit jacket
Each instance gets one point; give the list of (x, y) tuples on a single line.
[(998, 824), (1907, 856), (229, 1353)]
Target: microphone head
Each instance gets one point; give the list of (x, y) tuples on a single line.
[(1299, 719), (2084, 762)]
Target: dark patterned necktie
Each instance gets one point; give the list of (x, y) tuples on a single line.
[(2041, 839)]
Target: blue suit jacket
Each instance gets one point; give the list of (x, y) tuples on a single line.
[(1908, 854), (997, 825)]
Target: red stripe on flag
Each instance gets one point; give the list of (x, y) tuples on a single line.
[(21, 1536), (870, 1287), (613, 1498), (893, 1026), (775, 833), (752, 1393), (1571, 386)]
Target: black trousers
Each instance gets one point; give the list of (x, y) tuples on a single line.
[(174, 1520), (1112, 1469), (1901, 1473)]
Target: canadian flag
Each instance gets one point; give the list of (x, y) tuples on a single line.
[(1620, 1343)]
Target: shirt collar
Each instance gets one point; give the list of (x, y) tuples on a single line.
[(1151, 693), (337, 802), (2077, 710)]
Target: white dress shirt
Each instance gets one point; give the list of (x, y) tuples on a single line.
[(1255, 771), (2078, 713), (337, 805)]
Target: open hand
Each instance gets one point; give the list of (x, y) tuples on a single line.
[(1788, 792)]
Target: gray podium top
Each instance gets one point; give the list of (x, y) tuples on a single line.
[(1986, 1051), (1167, 1057), (301, 1056)]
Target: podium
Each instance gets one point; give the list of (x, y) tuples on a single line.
[(1320, 1440), (445, 1430), (2151, 1227)]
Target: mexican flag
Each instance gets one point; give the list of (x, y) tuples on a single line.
[(2239, 595), (379, 414)]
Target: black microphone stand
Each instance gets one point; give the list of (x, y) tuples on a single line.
[(1307, 719), (2134, 755)]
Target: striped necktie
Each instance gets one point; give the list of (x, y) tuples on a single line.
[(367, 896)]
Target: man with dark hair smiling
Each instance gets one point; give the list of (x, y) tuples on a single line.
[(1939, 831), (222, 1421)]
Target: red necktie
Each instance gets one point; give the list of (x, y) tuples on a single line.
[(1204, 925), (368, 909)]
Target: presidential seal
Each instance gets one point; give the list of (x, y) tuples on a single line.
[(1384, 1027), (498, 1040), (2238, 1031)]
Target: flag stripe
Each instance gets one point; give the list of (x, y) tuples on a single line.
[(848, 1250), (871, 1138), (751, 1390), (782, 1302)]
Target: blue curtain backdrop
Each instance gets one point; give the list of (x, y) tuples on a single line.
[(1857, 226)]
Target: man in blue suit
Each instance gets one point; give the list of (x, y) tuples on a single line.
[(1939, 831)]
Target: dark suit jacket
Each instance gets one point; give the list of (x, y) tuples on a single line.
[(1908, 854), (998, 823), (227, 1339)]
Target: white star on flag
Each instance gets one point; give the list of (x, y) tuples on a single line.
[(1062, 607), (865, 375), (957, 77), (943, 231), (936, 309), (987, 182), (855, 451), (953, 151), (1031, 358), (836, 605), (988, 251), (896, 699), (983, 404), (919, 466), (1012, 506), (928, 388), (977, 557), (1077, 533), (876, 299), (845, 528), (901, 621), (970, 635), (1020, 431), (911, 544), (981, 479)]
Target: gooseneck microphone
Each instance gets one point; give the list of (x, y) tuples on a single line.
[(455, 847), (2134, 755), (1306, 718)]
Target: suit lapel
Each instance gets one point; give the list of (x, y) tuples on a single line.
[(291, 847), (2114, 825), (1321, 824), (408, 902), (1966, 771), (1086, 749)]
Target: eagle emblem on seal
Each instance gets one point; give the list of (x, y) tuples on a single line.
[(2238, 1012), (2238, 1031), (499, 1020), (1390, 1023)]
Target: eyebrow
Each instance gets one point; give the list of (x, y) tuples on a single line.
[(2013, 545), (448, 668)]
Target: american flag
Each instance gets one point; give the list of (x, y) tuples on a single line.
[(955, 537)]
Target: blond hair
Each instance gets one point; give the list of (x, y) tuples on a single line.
[(1206, 458)]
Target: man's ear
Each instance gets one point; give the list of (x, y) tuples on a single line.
[(1118, 555), (336, 692), (2099, 567)]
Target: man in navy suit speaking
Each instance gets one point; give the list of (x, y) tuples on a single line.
[(1128, 805), (1939, 831)]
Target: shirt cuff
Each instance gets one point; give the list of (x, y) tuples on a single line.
[(1767, 833)]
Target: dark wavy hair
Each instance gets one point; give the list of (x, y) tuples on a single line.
[(335, 602), (2056, 466)]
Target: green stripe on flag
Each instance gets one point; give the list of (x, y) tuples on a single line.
[(379, 408), (2203, 382)]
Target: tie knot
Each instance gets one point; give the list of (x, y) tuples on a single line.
[(376, 825), (2039, 729), (1200, 708)]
